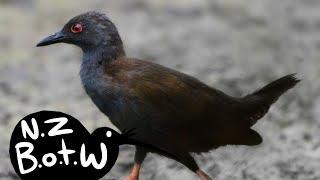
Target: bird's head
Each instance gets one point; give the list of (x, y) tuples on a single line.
[(88, 31)]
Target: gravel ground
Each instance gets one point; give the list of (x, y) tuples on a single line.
[(235, 46)]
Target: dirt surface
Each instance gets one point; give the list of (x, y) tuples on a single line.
[(235, 46)]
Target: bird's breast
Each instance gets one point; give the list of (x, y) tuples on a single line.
[(104, 93)]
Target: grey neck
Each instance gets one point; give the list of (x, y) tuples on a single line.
[(102, 54), (95, 61)]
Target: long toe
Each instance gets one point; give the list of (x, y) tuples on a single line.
[(202, 175), (132, 177)]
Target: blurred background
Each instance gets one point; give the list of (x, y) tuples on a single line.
[(235, 46)]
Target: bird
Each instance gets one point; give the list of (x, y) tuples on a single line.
[(168, 109)]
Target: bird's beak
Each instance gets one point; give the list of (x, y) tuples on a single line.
[(52, 39)]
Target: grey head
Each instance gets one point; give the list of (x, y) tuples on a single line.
[(92, 32)]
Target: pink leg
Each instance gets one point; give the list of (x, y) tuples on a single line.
[(134, 175), (202, 175)]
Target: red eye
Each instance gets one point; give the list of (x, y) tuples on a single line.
[(76, 28)]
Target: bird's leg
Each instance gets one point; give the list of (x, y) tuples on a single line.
[(134, 174), (187, 160), (138, 159), (202, 175)]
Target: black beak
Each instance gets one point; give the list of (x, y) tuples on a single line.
[(52, 39)]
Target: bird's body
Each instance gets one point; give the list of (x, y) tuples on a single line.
[(165, 108)]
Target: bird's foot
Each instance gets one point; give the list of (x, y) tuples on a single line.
[(131, 177), (134, 175), (202, 175)]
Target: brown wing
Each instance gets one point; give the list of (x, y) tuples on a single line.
[(171, 103)]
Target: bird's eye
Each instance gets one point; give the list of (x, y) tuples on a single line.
[(76, 28)]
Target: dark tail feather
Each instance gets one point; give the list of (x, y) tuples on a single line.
[(257, 104)]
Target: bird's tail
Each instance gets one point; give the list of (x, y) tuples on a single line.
[(257, 104)]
